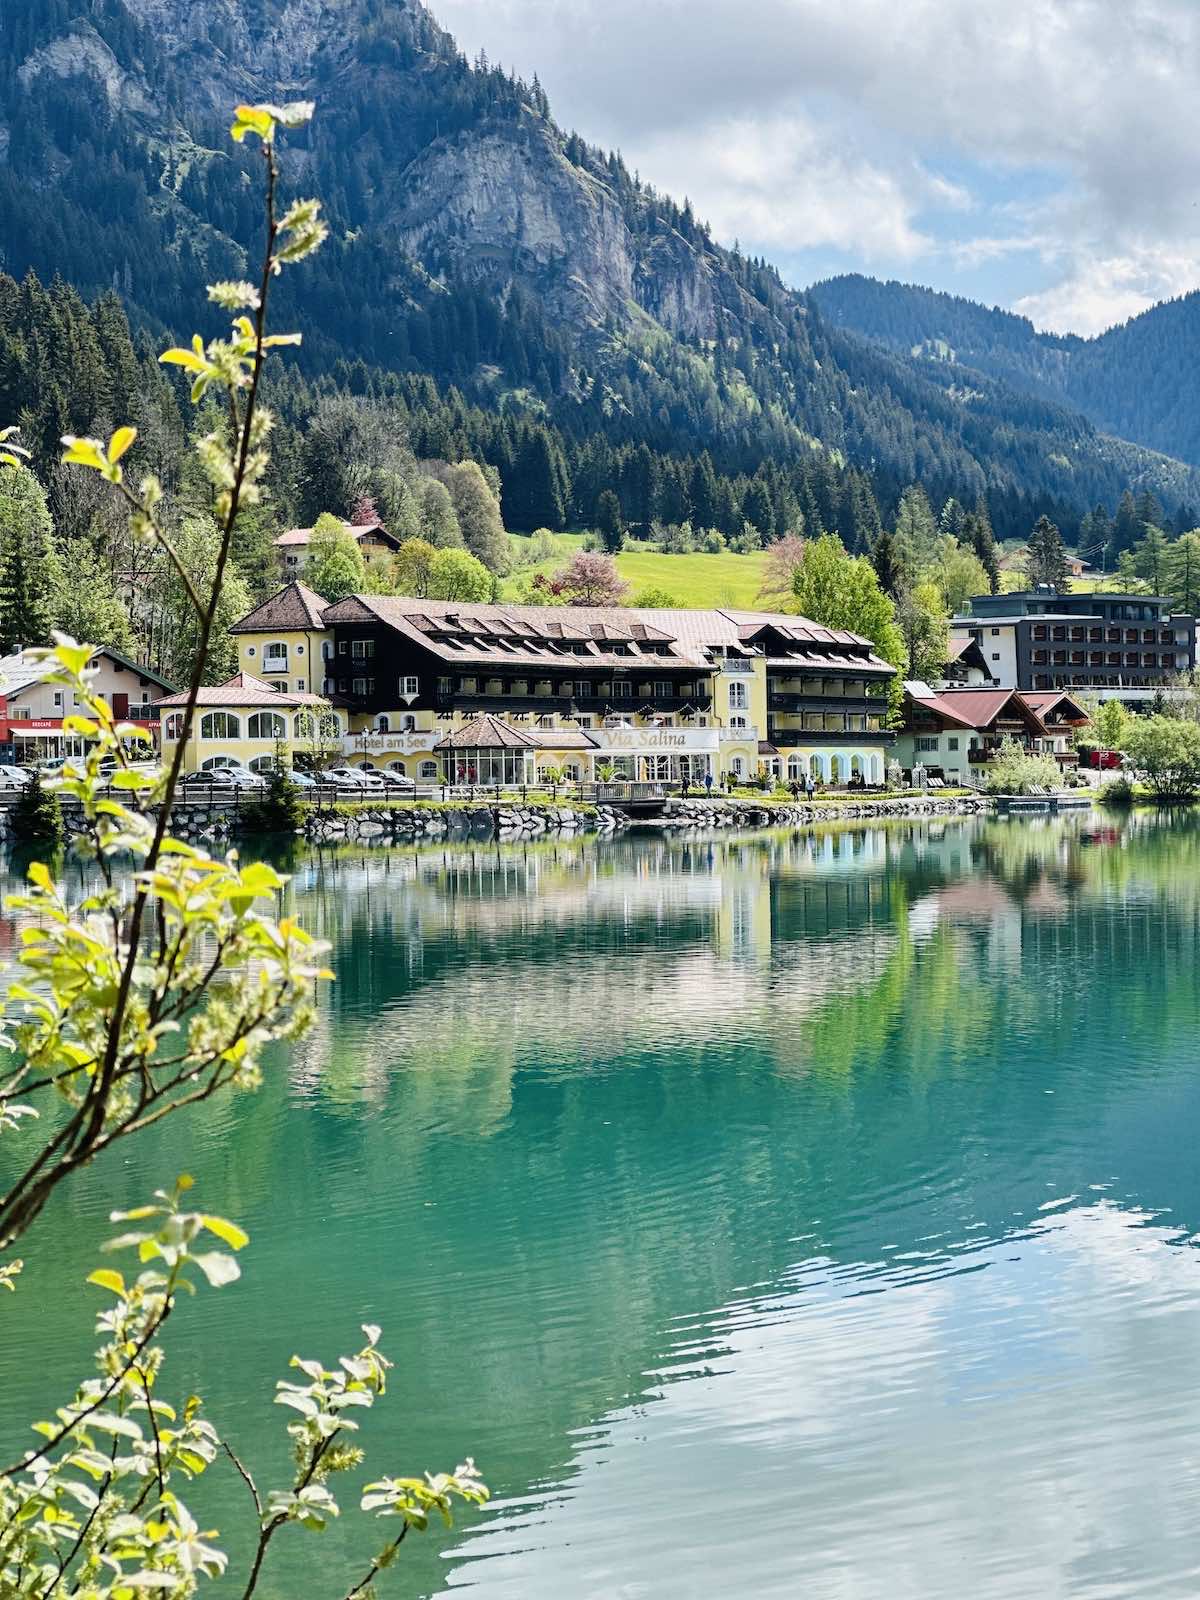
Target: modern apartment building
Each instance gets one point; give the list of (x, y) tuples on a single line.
[(1126, 647)]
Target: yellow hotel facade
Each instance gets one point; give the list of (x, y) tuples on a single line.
[(473, 693)]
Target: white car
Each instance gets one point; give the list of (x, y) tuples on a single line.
[(396, 780), (354, 778), (231, 777), (13, 777)]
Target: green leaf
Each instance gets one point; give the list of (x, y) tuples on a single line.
[(120, 442), (84, 453), (233, 1236), (106, 1278)]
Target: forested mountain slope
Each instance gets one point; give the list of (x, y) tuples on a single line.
[(476, 242), (1137, 380)]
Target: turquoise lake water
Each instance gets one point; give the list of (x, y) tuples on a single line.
[(779, 1216)]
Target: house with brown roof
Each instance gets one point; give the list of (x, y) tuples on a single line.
[(249, 722), (957, 731), (283, 640), (291, 547)]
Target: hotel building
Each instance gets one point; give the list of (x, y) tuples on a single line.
[(472, 693)]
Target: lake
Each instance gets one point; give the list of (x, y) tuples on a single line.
[(770, 1216)]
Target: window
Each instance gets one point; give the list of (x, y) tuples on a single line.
[(410, 687), (220, 725), (342, 647), (737, 766), (275, 657), (262, 764), (995, 655), (266, 725), (583, 690), (280, 686), (428, 770), (995, 633), (250, 651), (738, 723), (363, 686), (215, 763), (408, 724), (622, 689), (362, 649), (663, 689), (952, 742), (445, 686), (926, 744), (173, 726), (737, 697), (58, 697)]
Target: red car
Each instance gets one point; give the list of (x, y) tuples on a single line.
[(1104, 760)]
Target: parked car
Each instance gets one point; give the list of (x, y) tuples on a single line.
[(1104, 760), (396, 780), (354, 778), (302, 780), (13, 777), (231, 777)]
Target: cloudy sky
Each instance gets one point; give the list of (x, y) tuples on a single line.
[(1039, 154)]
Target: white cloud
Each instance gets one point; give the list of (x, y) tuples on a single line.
[(896, 132)]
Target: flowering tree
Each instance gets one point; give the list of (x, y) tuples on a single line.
[(590, 579)]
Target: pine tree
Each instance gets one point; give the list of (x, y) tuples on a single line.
[(609, 522), (1126, 527), (1047, 557), (30, 574), (979, 535), (885, 560)]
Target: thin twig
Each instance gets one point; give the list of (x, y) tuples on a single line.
[(249, 1481)]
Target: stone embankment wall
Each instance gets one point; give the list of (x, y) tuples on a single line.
[(213, 826), (803, 814)]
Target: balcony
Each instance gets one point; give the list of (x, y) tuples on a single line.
[(507, 704), (274, 666), (869, 703)]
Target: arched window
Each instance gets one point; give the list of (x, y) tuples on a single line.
[(220, 725), (428, 770), (737, 766), (215, 763), (381, 725), (173, 726), (835, 769), (262, 764), (408, 724), (795, 769), (856, 764), (267, 725), (814, 766)]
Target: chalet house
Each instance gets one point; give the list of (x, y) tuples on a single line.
[(958, 731), (291, 548), (32, 708)]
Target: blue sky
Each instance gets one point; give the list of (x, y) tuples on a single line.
[(1036, 154)]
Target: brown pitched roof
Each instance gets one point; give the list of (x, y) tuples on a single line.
[(243, 689), (488, 733), (976, 708), (539, 636), (1043, 701), (295, 608), (356, 530)]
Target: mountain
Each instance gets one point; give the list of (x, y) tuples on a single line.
[(477, 242), (1137, 380)]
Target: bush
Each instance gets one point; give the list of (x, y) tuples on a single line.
[(37, 816), (1165, 753), (1116, 791), (280, 810), (1016, 771)]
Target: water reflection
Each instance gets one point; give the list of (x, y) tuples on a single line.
[(771, 1215)]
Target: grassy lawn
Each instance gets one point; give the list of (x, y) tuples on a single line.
[(695, 581)]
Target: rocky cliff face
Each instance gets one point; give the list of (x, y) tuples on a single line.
[(495, 200)]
